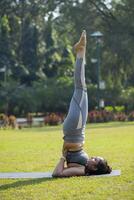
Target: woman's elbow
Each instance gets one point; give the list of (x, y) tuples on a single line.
[(57, 174)]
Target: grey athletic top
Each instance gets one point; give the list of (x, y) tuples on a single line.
[(79, 157), (74, 124)]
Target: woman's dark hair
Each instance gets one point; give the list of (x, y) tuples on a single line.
[(101, 168)]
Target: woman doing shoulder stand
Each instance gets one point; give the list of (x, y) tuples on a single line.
[(77, 161)]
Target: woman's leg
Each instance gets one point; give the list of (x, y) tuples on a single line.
[(74, 124)]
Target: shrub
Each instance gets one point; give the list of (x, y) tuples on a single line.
[(109, 108), (100, 116), (2, 116), (107, 115), (12, 121), (119, 108), (115, 108), (120, 117), (52, 119), (128, 98), (4, 121), (92, 116), (29, 119), (131, 116)]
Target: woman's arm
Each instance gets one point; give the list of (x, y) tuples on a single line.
[(61, 171), (59, 167)]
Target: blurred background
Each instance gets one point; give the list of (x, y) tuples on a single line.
[(37, 61)]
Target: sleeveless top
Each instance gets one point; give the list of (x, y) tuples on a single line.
[(79, 157)]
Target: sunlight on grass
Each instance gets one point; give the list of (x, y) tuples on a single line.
[(38, 149)]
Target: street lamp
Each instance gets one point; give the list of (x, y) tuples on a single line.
[(98, 35)]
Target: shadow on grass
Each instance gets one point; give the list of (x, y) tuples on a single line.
[(25, 183)]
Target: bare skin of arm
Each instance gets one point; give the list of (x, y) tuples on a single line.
[(61, 171)]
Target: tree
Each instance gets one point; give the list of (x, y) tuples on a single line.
[(36, 39)]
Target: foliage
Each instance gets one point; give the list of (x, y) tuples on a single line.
[(36, 39), (52, 119), (131, 116), (115, 109), (120, 117), (127, 97), (2, 116), (29, 119), (12, 121), (100, 116), (107, 116), (8, 121)]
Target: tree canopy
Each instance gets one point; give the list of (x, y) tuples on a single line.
[(36, 57)]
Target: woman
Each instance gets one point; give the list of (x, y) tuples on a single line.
[(77, 161)]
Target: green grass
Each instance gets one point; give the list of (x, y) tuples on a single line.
[(38, 149)]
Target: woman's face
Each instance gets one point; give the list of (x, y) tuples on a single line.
[(93, 162)]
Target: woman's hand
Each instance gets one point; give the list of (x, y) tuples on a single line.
[(64, 151), (61, 171)]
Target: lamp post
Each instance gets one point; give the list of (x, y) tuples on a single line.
[(98, 35)]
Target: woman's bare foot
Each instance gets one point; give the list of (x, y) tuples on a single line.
[(80, 46)]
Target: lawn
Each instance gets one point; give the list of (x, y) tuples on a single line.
[(38, 149)]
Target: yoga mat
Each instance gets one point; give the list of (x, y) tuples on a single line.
[(14, 175)]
